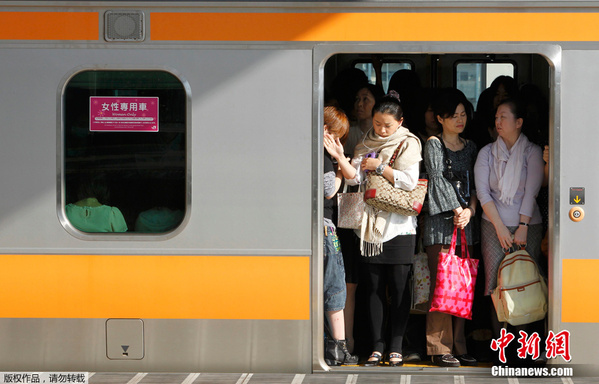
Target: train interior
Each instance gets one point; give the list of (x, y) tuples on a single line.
[(472, 74)]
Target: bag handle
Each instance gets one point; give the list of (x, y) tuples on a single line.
[(346, 187), (463, 242), (396, 153), (420, 246), (514, 248)]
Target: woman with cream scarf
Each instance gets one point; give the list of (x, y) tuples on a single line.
[(387, 239), (508, 175)]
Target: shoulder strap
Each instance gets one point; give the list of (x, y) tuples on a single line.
[(447, 160), (396, 153)]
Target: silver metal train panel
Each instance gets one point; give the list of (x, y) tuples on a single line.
[(252, 183)]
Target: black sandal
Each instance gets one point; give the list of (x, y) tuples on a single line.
[(377, 358), (398, 359)]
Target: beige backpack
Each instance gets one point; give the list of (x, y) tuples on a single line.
[(521, 293)]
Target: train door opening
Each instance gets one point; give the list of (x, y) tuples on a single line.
[(484, 78)]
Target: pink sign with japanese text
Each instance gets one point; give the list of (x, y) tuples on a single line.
[(123, 114)]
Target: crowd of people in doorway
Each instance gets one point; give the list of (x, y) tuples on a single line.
[(500, 146)]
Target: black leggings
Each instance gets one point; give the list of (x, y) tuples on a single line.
[(380, 279)]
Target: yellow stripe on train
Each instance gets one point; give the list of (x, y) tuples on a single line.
[(49, 26), (435, 26), (337, 26), (159, 287), (580, 291)]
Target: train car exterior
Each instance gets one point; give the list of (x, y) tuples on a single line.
[(237, 285)]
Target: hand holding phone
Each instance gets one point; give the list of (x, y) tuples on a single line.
[(371, 155)]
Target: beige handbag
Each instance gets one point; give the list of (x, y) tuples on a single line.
[(381, 194), (350, 208), (422, 277), (521, 293)]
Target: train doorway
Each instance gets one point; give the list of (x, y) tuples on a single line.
[(532, 72)]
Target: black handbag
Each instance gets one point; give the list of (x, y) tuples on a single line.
[(459, 180)]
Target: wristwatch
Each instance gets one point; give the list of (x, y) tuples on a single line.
[(380, 169)]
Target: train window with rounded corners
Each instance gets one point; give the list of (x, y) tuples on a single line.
[(124, 151), (473, 78), (388, 69)]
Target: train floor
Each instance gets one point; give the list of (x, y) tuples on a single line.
[(478, 376)]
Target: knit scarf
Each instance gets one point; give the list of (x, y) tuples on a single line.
[(508, 166), (374, 221)]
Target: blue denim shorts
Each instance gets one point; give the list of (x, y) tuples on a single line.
[(334, 273)]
